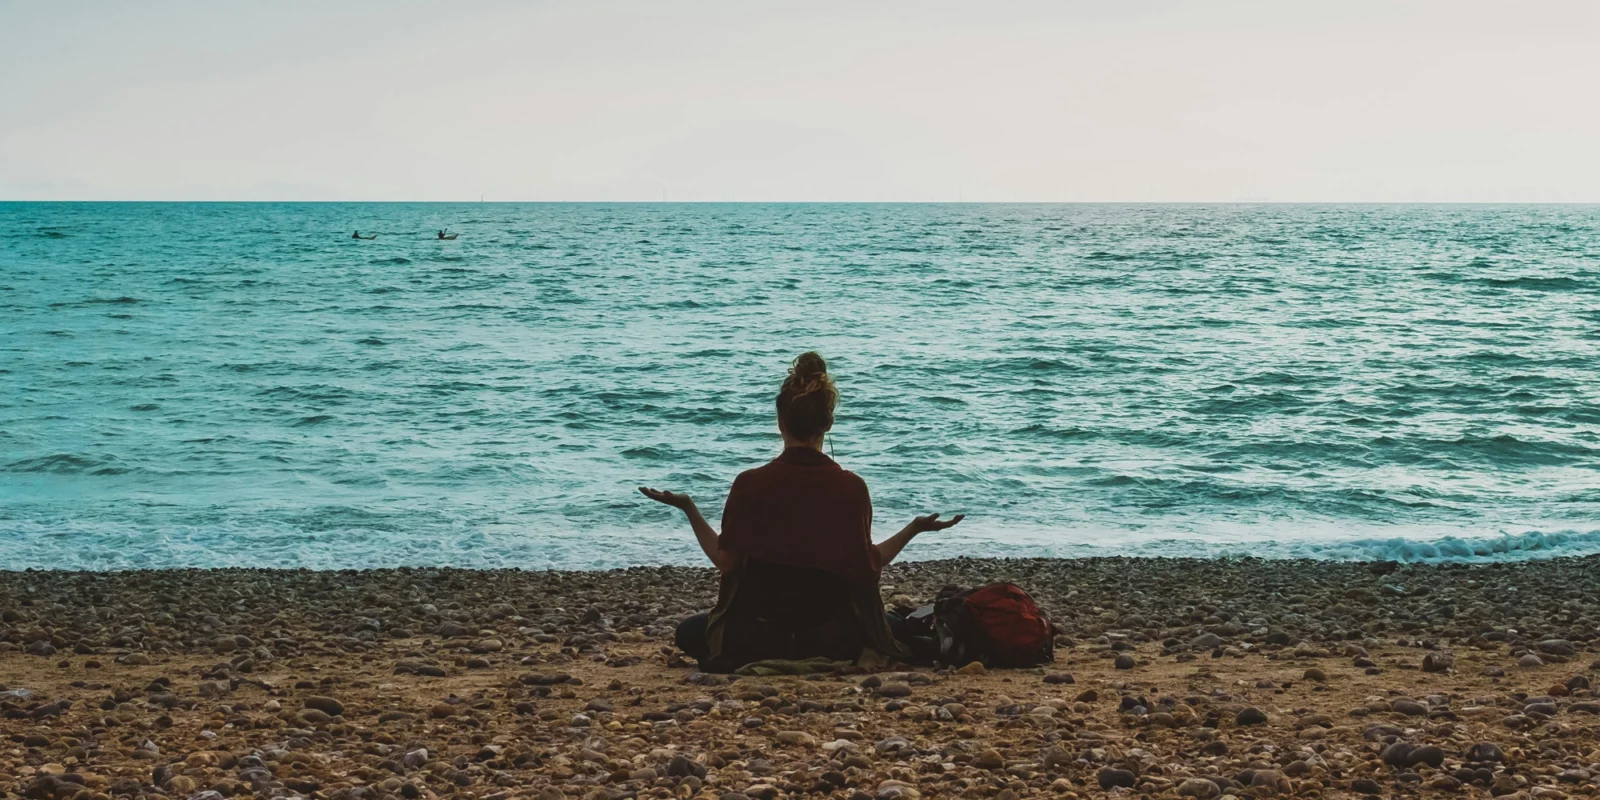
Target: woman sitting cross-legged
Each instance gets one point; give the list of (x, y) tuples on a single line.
[(799, 568)]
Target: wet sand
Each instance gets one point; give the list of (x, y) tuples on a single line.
[(1172, 678)]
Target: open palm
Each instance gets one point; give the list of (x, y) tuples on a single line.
[(931, 522), (675, 499)]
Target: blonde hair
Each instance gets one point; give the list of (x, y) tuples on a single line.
[(807, 398)]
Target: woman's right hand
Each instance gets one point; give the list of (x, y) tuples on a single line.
[(677, 500)]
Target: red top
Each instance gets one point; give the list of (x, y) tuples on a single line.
[(803, 510)]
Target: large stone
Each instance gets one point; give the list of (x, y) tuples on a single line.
[(1431, 755), (326, 705), (796, 738), (1438, 662), (1485, 753), (989, 759), (1250, 716), (1111, 778), (1271, 781)]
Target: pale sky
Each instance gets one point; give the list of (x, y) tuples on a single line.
[(1116, 100)]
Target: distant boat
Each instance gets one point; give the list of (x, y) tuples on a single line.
[(448, 236), (357, 235)]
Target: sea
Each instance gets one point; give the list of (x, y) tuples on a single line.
[(217, 384)]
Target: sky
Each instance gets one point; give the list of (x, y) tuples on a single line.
[(751, 100)]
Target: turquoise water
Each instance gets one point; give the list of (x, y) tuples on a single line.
[(219, 384)]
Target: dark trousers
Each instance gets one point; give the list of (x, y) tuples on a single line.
[(691, 636)]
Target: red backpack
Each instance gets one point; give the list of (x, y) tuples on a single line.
[(998, 624)]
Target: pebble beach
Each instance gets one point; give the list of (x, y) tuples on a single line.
[(1173, 678)]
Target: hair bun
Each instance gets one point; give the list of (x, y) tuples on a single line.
[(808, 397), (809, 365)]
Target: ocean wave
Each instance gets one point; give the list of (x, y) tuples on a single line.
[(310, 393), (1454, 549), (69, 464), (1533, 283), (659, 453), (1501, 450), (339, 537)]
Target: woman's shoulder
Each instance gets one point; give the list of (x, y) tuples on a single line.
[(764, 475), (851, 479), (776, 472)]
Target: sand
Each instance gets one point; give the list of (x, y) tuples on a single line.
[(1244, 678)]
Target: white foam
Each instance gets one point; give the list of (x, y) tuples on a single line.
[(103, 545)]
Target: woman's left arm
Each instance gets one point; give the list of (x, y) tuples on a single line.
[(703, 533), (891, 547)]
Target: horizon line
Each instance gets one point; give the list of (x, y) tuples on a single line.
[(852, 202)]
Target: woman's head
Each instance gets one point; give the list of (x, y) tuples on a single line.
[(807, 399)]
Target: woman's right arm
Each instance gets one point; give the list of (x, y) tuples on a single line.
[(889, 548), (703, 533)]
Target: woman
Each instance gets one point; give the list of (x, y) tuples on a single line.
[(799, 569)]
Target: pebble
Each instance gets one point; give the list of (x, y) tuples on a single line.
[(891, 745), (1408, 707), (1397, 754), (1270, 781), (1432, 755), (1485, 752), (326, 705), (642, 723), (896, 790), (1111, 778), (1250, 716), (681, 766)]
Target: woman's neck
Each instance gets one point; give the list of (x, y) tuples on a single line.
[(813, 444)]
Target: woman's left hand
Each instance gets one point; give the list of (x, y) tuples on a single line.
[(931, 523)]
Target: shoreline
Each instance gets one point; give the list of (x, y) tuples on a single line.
[(906, 560), (89, 552), (1246, 677)]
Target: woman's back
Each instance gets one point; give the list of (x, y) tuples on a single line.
[(803, 510)]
